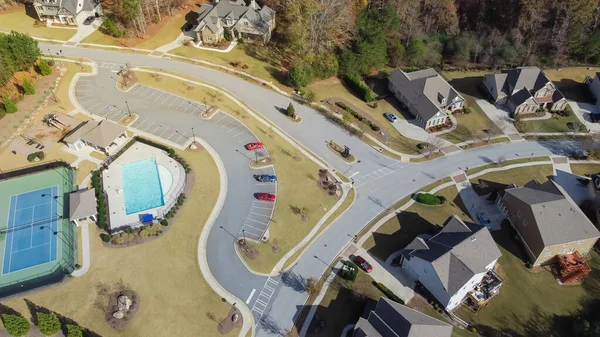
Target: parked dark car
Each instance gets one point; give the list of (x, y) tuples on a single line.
[(265, 178), (595, 117), (361, 262), (88, 21)]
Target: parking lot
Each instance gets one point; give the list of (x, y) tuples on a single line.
[(260, 212)]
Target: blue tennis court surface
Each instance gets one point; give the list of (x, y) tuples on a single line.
[(32, 220)]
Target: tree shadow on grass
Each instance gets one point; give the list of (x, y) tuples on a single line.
[(8, 310), (574, 91), (64, 321), (472, 86), (411, 225)]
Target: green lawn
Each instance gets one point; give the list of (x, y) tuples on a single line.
[(570, 82), (334, 88), (168, 33), (585, 169), (399, 231), (476, 123), (99, 38), (528, 301), (554, 124), (519, 176), (21, 22), (259, 61), (339, 307), (506, 163)]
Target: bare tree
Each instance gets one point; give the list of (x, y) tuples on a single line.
[(536, 126), (576, 128), (312, 286), (434, 143)]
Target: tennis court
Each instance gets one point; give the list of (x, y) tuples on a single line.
[(32, 221)]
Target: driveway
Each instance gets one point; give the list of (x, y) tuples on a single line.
[(501, 118), (84, 31), (413, 130), (583, 112), (475, 204)]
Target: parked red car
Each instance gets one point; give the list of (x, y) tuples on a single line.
[(253, 146), (265, 196), (363, 264)]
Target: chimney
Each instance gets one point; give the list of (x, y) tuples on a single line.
[(253, 4), (216, 1)]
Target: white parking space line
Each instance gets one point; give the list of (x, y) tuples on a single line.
[(169, 96), (171, 135), (268, 216), (227, 123), (269, 208), (251, 233), (140, 124), (84, 90), (175, 100), (177, 140), (250, 297), (145, 91), (93, 106), (187, 107), (156, 128), (177, 108), (246, 140), (217, 122), (148, 126), (159, 96), (154, 92), (161, 134), (238, 134), (262, 223), (258, 229), (234, 128)]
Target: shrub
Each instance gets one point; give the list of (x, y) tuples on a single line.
[(362, 90), (105, 237), (240, 41), (291, 111), (300, 75), (164, 222), (10, 107), (467, 111), (388, 293), (375, 127), (35, 156), (45, 69), (227, 35), (48, 324), (28, 87), (428, 199), (349, 274), (110, 27), (310, 96), (16, 326), (74, 331)]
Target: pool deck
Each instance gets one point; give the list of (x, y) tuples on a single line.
[(113, 185)]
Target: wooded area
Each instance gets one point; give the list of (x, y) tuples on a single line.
[(347, 37), (17, 52)]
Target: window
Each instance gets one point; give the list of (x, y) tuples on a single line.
[(525, 222), (519, 214), (540, 94), (245, 23)]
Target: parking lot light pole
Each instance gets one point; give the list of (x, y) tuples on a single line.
[(244, 234), (238, 151), (128, 111), (193, 135), (52, 57)]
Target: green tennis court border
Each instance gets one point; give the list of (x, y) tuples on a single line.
[(31, 179)]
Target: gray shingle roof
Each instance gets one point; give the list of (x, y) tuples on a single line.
[(458, 252), (67, 6), (210, 13), (532, 78), (391, 319), (557, 217), (424, 89), (82, 204), (521, 97)]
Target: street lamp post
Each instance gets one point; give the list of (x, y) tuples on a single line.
[(128, 111), (193, 135), (52, 57), (205, 106), (186, 137), (244, 234)]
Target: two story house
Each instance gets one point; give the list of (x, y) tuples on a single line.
[(453, 262), (69, 12), (524, 90), (547, 220), (428, 96), (250, 22), (391, 319), (594, 86)]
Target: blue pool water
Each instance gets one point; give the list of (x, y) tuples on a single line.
[(141, 186)]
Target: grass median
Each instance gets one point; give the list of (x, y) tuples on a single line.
[(294, 170), (175, 300)]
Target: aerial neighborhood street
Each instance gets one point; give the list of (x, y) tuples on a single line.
[(267, 168)]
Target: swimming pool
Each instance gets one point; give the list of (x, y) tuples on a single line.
[(143, 184)]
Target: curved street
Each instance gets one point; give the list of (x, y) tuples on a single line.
[(380, 181)]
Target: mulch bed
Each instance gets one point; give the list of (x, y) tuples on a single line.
[(190, 180), (247, 249), (268, 161), (195, 147), (112, 307), (326, 179), (227, 324)]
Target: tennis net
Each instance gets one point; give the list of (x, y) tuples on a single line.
[(35, 223)]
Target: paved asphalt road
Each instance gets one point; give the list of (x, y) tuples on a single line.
[(380, 182)]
